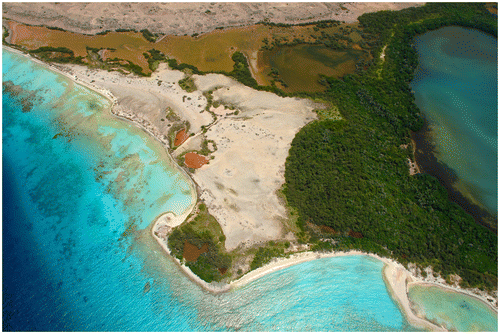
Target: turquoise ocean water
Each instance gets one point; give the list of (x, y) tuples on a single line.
[(80, 189), (456, 87)]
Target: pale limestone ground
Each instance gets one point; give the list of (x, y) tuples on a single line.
[(239, 185), (148, 101), (183, 17)]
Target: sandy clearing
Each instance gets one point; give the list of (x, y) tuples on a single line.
[(147, 99), (239, 185)]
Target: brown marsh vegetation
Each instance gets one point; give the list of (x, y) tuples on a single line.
[(286, 49)]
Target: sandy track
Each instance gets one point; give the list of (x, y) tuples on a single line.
[(183, 17)]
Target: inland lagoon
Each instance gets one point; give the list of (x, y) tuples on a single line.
[(456, 88), (300, 66)]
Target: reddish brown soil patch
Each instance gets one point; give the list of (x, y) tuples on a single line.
[(191, 252), (357, 47), (353, 234), (194, 160), (181, 137), (492, 10), (328, 229), (222, 270)]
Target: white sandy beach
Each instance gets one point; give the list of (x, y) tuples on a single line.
[(396, 276)]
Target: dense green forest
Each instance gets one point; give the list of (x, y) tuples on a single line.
[(352, 175), (203, 229)]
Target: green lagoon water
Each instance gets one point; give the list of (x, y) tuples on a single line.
[(456, 87), (299, 66), (456, 311)]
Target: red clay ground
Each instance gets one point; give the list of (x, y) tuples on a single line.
[(181, 137), (191, 252), (194, 160)]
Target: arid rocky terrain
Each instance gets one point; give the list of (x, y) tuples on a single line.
[(183, 17)]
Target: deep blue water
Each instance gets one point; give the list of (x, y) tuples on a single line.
[(80, 189)]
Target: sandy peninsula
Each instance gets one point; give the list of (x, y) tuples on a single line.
[(240, 183), (396, 277)]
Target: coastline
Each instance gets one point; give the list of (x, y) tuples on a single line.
[(396, 276), (115, 110)]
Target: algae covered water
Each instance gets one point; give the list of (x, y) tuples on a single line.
[(81, 188), (456, 87)]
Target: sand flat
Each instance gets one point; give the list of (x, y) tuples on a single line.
[(239, 185)]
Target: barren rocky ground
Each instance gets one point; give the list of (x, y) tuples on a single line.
[(183, 17)]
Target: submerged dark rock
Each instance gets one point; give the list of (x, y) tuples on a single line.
[(147, 287)]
